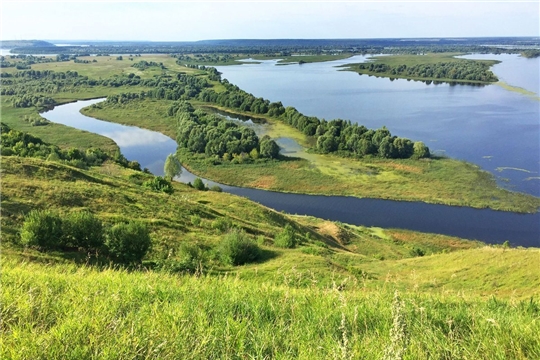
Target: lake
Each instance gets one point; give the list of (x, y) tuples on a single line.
[(150, 149), (490, 126)]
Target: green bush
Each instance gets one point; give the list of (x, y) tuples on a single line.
[(128, 243), (237, 249), (195, 220), (42, 229), (159, 184), (286, 238), (221, 225), (83, 230), (216, 188), (198, 184)]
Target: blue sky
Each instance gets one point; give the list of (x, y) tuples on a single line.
[(188, 21)]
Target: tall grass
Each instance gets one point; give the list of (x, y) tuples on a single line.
[(69, 312)]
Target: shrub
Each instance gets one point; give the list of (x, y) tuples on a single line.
[(198, 184), (237, 249), (221, 225), (159, 184), (83, 230), (42, 229), (196, 220), (286, 238), (128, 243), (216, 188)]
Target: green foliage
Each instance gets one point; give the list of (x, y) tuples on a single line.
[(172, 167), (416, 251), (420, 150), (83, 230), (143, 65), (455, 70), (198, 184), (195, 220), (216, 188), (159, 184), (269, 148), (14, 142), (128, 243), (287, 238), (236, 248), (221, 224), (42, 229), (216, 137)]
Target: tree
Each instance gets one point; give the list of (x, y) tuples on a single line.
[(386, 148), (198, 184), (269, 148), (420, 150), (173, 167)]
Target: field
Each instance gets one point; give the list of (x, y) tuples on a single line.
[(62, 311)]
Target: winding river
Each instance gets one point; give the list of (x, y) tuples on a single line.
[(150, 149)]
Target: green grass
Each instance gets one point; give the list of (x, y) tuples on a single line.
[(67, 312), (107, 66), (56, 134)]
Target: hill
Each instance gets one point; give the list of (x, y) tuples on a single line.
[(10, 44)]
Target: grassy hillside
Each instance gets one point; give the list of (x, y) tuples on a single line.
[(69, 312), (336, 290), (328, 251)]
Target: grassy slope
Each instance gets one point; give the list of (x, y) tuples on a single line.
[(411, 60), (68, 312), (278, 308), (334, 251)]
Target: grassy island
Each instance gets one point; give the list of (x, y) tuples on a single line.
[(436, 67)]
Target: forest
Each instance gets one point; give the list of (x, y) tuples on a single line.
[(465, 70)]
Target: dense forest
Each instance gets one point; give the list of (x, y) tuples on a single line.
[(219, 139), (337, 136)]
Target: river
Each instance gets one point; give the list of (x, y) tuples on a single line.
[(150, 149)]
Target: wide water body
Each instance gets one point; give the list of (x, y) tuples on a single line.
[(490, 126), (151, 148)]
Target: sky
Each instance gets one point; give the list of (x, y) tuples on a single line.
[(206, 20)]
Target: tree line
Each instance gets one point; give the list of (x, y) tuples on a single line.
[(335, 136), (458, 70)]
